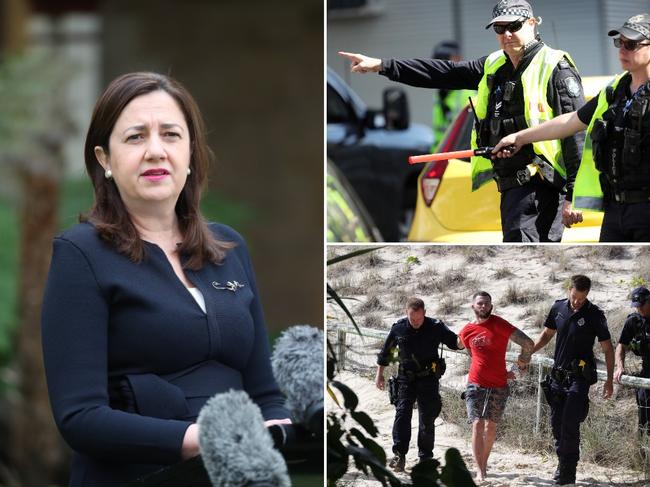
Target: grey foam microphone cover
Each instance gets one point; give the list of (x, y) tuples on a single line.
[(297, 362), (236, 447)]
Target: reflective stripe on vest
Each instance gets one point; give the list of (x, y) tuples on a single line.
[(587, 192), (534, 80)]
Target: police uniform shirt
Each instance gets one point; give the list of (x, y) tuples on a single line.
[(418, 348), (586, 112), (636, 324), (564, 92), (576, 331)]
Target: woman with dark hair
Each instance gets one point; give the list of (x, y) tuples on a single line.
[(148, 309)]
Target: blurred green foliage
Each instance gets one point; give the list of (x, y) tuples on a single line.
[(9, 231), (76, 197)]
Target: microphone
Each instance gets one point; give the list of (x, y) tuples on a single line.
[(236, 448), (297, 362)]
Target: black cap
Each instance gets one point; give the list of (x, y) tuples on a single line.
[(445, 50), (635, 28), (640, 295), (511, 10)]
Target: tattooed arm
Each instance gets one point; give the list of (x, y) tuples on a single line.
[(526, 344)]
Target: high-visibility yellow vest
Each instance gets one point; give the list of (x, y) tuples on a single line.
[(454, 101), (534, 80), (587, 192)]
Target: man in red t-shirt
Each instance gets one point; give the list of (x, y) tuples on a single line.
[(486, 340)]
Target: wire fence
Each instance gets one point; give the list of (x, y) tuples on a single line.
[(609, 435)]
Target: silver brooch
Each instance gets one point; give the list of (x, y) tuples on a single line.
[(229, 286)]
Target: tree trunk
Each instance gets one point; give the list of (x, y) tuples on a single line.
[(37, 450)]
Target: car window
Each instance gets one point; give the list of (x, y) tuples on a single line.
[(338, 111)]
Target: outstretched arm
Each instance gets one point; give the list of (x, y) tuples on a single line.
[(559, 127), (361, 63), (543, 339)]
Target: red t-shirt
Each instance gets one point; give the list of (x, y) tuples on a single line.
[(487, 343)]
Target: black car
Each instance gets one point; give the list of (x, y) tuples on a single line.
[(371, 149)]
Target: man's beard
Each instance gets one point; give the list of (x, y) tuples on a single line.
[(483, 314)]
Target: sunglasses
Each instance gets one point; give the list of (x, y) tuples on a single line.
[(628, 45), (511, 27)]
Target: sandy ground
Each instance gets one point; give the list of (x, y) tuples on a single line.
[(506, 466), (539, 272)]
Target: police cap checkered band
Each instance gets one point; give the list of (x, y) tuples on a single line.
[(510, 10), (635, 28)]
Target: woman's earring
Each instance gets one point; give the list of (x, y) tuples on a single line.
[(189, 171), (108, 174)]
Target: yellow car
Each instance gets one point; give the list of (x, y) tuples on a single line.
[(448, 211)]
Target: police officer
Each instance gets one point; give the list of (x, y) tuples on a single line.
[(576, 322), (636, 337), (614, 174), (522, 84), (415, 339), (447, 103)]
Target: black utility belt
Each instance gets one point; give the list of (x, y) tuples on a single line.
[(561, 375), (520, 178), (436, 369), (630, 195), (413, 374), (580, 370)]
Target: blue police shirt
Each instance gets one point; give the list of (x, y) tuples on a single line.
[(636, 324), (417, 348), (576, 331)]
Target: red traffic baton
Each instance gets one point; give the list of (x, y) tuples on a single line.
[(459, 154)]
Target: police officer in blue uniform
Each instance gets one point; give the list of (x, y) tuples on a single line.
[(415, 339), (636, 338), (576, 322)]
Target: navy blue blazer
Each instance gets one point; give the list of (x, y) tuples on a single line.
[(131, 358)]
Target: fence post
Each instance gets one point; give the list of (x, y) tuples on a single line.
[(340, 349), (538, 412)]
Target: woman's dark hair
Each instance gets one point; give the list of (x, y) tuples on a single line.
[(109, 214)]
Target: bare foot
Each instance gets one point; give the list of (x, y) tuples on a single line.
[(480, 477)]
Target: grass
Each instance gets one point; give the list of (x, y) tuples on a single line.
[(502, 273), (373, 320), (372, 303), (477, 254), (536, 313), (450, 304), (516, 295)]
